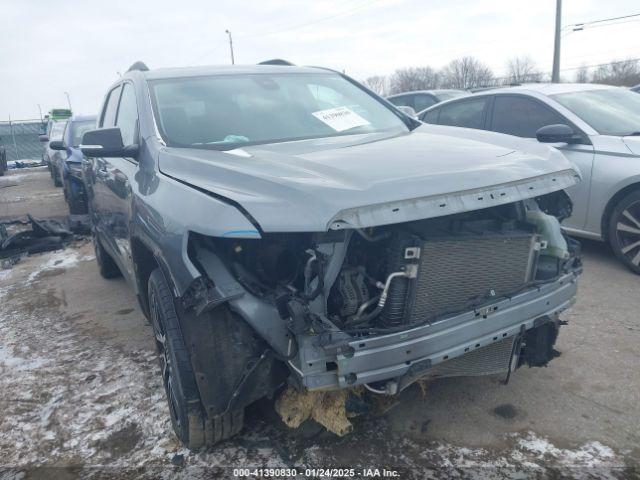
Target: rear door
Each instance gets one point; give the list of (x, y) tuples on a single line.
[(468, 113), (522, 116)]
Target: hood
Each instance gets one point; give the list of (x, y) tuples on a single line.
[(360, 181), (632, 143)]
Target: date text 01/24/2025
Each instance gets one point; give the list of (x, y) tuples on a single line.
[(315, 472)]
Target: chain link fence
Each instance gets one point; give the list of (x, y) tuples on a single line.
[(20, 139)]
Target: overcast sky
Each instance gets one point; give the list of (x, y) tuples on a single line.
[(49, 47)]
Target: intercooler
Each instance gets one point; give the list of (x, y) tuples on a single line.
[(459, 273)]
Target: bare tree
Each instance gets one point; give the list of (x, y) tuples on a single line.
[(582, 75), (379, 84), (623, 73), (466, 72), (416, 78), (523, 69)]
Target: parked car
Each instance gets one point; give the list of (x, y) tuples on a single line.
[(636, 88), (55, 131), (596, 126), (422, 99), (3, 160), (68, 164), (281, 225)]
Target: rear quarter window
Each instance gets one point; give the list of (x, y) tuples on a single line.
[(467, 114), (431, 116)]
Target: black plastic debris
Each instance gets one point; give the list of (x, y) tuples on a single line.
[(43, 236), (26, 164)]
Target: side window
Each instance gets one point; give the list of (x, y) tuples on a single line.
[(108, 118), (468, 114), (403, 101), (128, 115), (423, 101), (521, 116), (431, 116)]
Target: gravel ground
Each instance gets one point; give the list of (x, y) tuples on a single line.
[(82, 398)]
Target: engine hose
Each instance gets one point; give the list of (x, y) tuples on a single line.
[(319, 286)]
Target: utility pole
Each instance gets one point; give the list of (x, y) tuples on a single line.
[(555, 73), (40, 110), (68, 100), (230, 46)]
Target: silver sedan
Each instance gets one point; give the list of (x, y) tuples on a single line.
[(595, 126)]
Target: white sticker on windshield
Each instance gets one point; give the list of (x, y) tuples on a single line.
[(340, 118)]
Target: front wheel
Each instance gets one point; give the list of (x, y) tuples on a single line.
[(56, 174), (624, 231), (74, 198), (192, 426)]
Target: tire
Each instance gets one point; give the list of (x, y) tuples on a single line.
[(107, 266), (75, 201), (56, 177), (624, 231), (188, 418)]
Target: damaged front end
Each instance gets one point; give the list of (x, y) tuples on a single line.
[(472, 293)]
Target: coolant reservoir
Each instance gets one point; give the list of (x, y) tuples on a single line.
[(549, 230)]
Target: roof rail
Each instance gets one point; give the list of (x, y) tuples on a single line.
[(140, 66), (276, 61)]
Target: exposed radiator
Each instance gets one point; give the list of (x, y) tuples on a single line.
[(455, 273)]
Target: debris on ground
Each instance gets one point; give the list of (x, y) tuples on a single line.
[(17, 240), (15, 164), (326, 408)]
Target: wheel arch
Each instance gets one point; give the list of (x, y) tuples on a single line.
[(145, 261), (611, 205)]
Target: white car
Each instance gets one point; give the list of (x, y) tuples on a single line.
[(602, 139)]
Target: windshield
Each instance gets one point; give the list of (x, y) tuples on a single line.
[(78, 129), (614, 111), (57, 129), (228, 111)]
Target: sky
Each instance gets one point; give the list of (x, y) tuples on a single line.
[(48, 47)]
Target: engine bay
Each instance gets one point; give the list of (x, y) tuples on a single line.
[(402, 275)]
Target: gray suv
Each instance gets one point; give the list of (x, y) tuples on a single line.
[(284, 227)]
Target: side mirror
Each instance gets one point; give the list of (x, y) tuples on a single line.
[(43, 137), (559, 133), (106, 142), (56, 145), (407, 110)]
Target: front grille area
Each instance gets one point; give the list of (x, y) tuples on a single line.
[(456, 273)]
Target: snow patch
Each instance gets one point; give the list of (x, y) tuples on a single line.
[(61, 259)]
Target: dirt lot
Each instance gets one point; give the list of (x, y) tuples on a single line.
[(81, 393)]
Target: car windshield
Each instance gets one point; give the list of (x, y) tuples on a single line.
[(57, 129), (228, 111), (614, 111), (78, 129)]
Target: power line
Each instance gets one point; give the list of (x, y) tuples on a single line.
[(602, 20), (601, 64), (313, 22)]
